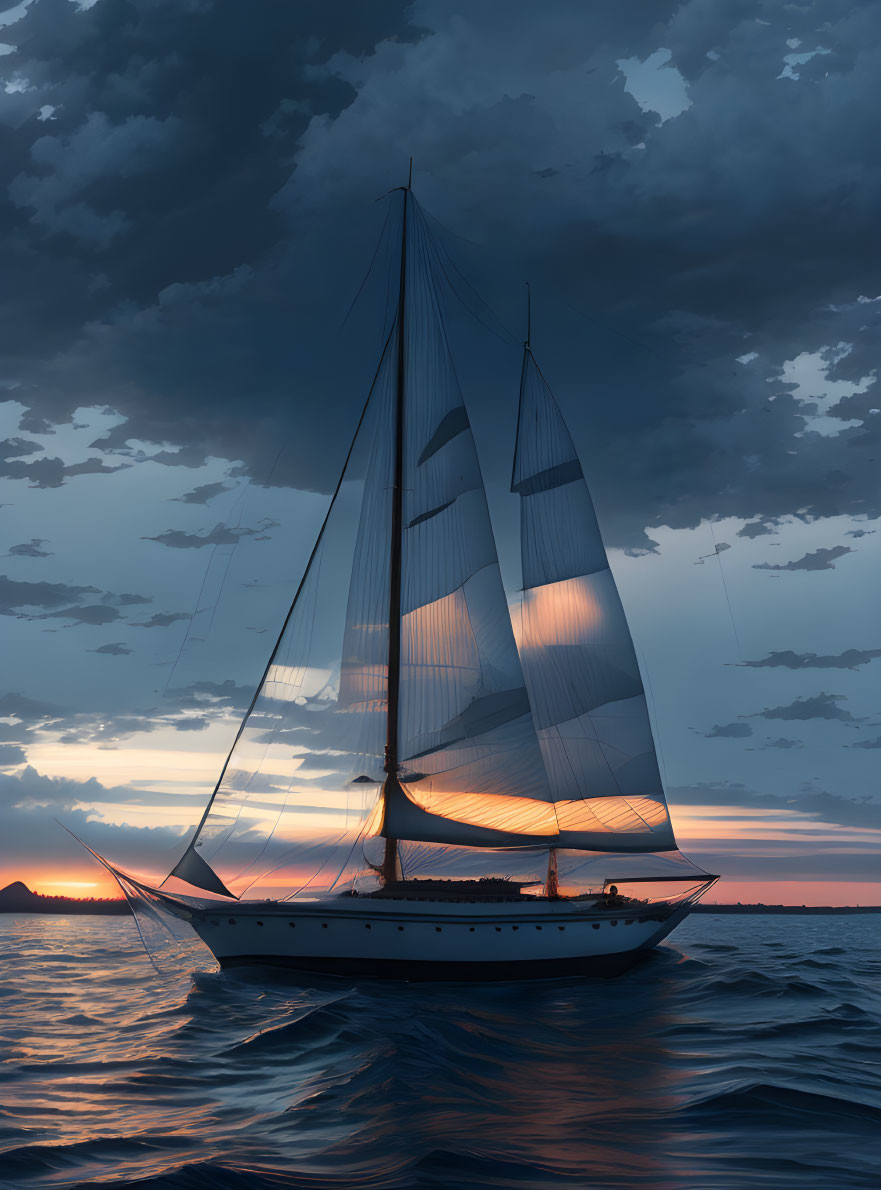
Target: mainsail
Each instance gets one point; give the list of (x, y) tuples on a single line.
[(394, 703), (581, 670)]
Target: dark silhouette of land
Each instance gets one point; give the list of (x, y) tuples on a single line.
[(18, 898)]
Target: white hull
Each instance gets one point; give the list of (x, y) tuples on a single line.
[(433, 939)]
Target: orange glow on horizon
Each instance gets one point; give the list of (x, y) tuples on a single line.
[(84, 883)]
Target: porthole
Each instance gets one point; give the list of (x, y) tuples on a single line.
[(538, 927), (628, 921), (324, 925), (614, 923), (437, 929), (292, 924), (561, 927), (400, 928), (471, 929), (367, 925), (231, 920), (515, 927), (498, 929), (259, 923), (596, 925)]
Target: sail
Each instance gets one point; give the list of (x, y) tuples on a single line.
[(470, 769), (581, 670), (305, 772)]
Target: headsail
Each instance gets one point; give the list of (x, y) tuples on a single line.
[(304, 773), (581, 670)]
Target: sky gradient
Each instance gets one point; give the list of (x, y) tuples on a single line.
[(187, 210)]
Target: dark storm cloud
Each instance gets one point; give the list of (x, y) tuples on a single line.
[(177, 539), (115, 648), (11, 754), (849, 659), (203, 493), (731, 731), (161, 620), (184, 249), (817, 706), (821, 559), (30, 549)]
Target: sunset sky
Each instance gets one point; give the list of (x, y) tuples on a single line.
[(187, 211)]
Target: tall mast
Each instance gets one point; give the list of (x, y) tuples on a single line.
[(389, 869)]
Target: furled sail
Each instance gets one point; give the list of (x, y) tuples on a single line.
[(581, 671)]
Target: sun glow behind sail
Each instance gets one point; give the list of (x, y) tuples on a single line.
[(581, 670)]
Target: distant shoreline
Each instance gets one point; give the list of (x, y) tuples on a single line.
[(18, 898), (815, 910)]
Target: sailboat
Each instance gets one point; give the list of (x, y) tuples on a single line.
[(418, 790)]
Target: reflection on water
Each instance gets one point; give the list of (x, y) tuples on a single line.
[(742, 1055)]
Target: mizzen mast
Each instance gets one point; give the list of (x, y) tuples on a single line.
[(389, 870)]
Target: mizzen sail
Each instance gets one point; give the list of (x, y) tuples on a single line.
[(581, 670)]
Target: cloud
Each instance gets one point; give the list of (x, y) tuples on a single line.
[(16, 595), (862, 811), (203, 493), (757, 529), (876, 743), (30, 549), (231, 218), (783, 743), (11, 755), (12, 448), (161, 620), (92, 613), (860, 532), (220, 535), (29, 710), (114, 649), (733, 731), (849, 659), (51, 473), (817, 706), (821, 559)]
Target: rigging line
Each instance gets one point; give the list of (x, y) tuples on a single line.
[(441, 247), (438, 248), (287, 618), (366, 276), (289, 789), (239, 491), (656, 735), (725, 589)]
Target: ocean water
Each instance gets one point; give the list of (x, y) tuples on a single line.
[(743, 1053)]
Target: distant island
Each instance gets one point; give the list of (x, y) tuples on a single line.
[(18, 898)]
